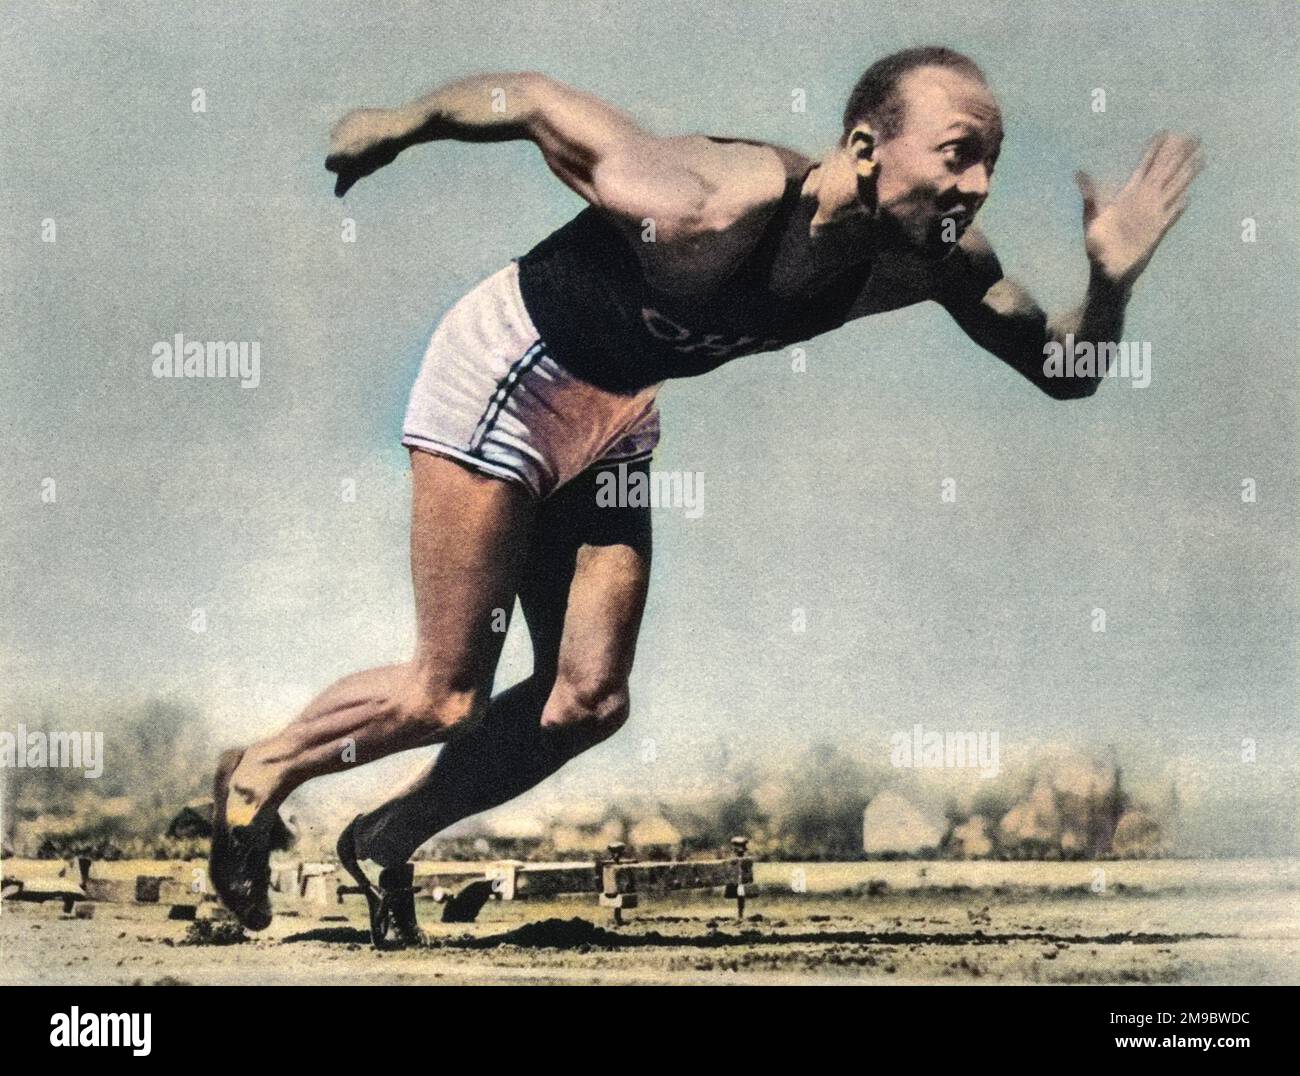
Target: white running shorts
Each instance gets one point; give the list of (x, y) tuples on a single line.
[(489, 395)]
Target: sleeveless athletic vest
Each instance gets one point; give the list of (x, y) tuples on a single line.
[(585, 291)]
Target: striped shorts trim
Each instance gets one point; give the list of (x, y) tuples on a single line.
[(490, 395)]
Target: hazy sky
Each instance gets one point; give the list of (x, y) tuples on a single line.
[(822, 489)]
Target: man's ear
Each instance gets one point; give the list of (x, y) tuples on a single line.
[(861, 144)]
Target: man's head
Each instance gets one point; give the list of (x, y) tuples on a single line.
[(924, 132)]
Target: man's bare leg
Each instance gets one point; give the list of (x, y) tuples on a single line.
[(469, 535), (583, 591)]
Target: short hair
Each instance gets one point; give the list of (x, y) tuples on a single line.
[(876, 99)]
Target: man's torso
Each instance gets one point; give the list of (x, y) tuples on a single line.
[(623, 314)]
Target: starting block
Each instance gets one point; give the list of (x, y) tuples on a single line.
[(80, 889), (622, 881), (618, 883), (318, 882)]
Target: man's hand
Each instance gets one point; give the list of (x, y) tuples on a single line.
[(1121, 236), (364, 141)]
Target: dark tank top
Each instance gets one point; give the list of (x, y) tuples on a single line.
[(588, 297)]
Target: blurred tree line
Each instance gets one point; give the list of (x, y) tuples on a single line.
[(157, 755)]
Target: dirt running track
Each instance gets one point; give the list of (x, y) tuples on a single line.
[(1157, 922)]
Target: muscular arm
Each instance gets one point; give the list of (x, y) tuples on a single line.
[(1119, 239), (597, 150), (574, 131)]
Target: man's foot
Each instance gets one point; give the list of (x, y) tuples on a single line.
[(391, 902), (240, 861)]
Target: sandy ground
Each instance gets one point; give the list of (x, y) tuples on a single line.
[(1217, 922)]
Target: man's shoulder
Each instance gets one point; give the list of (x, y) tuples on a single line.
[(746, 180), (742, 181), (741, 168), (793, 163)]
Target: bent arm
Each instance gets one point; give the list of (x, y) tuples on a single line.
[(1120, 238), (1003, 318), (575, 131), (595, 149)]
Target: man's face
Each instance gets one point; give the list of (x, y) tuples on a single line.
[(933, 176)]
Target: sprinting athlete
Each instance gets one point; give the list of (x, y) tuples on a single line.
[(693, 251)]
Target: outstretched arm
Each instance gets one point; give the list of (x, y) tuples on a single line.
[(572, 129), (1119, 238), (597, 150)]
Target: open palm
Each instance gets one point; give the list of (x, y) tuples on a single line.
[(1121, 235)]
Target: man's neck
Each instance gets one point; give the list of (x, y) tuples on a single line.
[(830, 236)]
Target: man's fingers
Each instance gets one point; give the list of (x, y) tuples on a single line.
[(1182, 179), (1153, 151), (1175, 211), (345, 176), (1149, 157), (1188, 165), (1176, 151)]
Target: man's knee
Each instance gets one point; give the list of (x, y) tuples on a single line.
[(596, 706), (430, 713)]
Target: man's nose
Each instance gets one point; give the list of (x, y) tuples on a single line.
[(974, 182)]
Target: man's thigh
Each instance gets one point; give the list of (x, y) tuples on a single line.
[(583, 587), (469, 536)]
